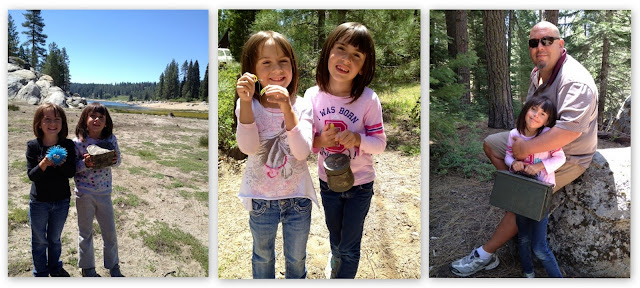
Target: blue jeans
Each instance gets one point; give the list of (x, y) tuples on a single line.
[(533, 235), (295, 215), (47, 220), (344, 214)]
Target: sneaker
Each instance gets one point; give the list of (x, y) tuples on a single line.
[(529, 275), (472, 263), (90, 272), (60, 273), (115, 271)]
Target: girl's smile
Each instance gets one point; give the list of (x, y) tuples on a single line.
[(95, 124), (536, 118), (50, 123), (345, 63), (273, 66)]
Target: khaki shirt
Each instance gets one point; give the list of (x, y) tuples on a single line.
[(575, 95)]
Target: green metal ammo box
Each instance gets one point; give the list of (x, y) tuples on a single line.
[(521, 195)]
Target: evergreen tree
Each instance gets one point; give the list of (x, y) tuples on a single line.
[(204, 90), (171, 82), (195, 84), (53, 65), (66, 78), (35, 38), (13, 41), (188, 81), (160, 90)]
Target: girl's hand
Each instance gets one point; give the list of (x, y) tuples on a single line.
[(533, 169), (87, 160), (517, 166), (348, 139), (246, 86), (279, 95), (115, 159), (46, 162), (328, 136)]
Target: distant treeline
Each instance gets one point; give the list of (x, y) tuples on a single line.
[(175, 84), (135, 91)]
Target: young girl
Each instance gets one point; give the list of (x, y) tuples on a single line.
[(93, 190), (275, 130), (50, 193), (347, 120), (536, 117)]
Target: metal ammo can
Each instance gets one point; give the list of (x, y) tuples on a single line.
[(339, 175)]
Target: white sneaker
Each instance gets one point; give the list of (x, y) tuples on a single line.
[(472, 263), (529, 275)]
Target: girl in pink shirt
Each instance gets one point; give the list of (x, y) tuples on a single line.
[(348, 120), (274, 130), (536, 117)]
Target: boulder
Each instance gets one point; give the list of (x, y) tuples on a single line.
[(17, 79), (589, 222), (57, 96), (29, 93), (622, 123)]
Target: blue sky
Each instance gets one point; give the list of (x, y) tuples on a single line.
[(113, 46)]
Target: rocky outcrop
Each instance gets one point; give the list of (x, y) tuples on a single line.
[(589, 222), (26, 85), (622, 123)]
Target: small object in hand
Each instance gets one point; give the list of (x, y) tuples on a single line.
[(259, 86), (57, 154), (339, 175), (100, 157), (331, 126)]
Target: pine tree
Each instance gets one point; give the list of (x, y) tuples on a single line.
[(195, 84), (35, 38), (52, 65), (188, 80), (204, 90), (160, 94), (66, 78), (13, 41)]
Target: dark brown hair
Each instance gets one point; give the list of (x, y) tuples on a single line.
[(81, 129), (358, 36), (251, 52), (39, 115), (546, 105)]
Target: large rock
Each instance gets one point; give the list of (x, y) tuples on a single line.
[(17, 79), (589, 224), (57, 96), (30, 93), (622, 123)]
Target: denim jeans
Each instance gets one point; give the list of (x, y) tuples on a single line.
[(344, 214), (533, 235), (295, 215), (47, 220)]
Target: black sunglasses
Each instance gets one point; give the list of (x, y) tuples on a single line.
[(546, 41)]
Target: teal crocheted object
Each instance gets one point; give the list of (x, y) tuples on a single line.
[(57, 154)]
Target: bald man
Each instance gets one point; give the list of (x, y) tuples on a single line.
[(570, 86)]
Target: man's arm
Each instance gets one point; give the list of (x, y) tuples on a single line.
[(555, 138)]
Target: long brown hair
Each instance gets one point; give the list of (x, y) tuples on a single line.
[(358, 36), (39, 115), (81, 129), (250, 54)]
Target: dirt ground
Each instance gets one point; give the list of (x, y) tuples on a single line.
[(461, 219), (391, 239), (164, 194)]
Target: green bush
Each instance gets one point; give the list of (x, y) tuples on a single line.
[(13, 107), (227, 77)]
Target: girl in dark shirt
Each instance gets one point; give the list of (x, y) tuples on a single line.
[(50, 192)]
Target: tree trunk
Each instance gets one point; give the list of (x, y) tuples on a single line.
[(456, 21), (500, 102), (551, 16), (604, 71), (510, 36), (321, 18)]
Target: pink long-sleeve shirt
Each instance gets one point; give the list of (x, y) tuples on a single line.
[(364, 116), (552, 160), (277, 164)]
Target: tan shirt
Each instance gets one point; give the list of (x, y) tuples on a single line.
[(576, 97)]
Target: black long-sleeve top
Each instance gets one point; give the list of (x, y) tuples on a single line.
[(52, 184)]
